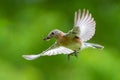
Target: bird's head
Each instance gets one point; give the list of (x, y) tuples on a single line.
[(54, 34)]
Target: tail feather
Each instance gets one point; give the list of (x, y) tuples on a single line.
[(31, 57), (92, 45)]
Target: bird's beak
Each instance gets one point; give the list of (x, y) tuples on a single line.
[(47, 38)]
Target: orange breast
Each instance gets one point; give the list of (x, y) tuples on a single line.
[(64, 41)]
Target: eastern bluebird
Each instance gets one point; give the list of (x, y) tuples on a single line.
[(75, 40)]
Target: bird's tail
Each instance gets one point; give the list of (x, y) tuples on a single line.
[(85, 45), (31, 57)]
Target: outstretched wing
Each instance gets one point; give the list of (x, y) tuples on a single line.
[(84, 25), (53, 50)]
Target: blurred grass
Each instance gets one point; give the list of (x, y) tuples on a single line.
[(24, 23)]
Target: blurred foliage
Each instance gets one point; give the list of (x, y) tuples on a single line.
[(24, 23)]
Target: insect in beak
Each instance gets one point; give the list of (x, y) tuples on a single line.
[(47, 38)]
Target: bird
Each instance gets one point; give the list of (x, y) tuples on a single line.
[(72, 42)]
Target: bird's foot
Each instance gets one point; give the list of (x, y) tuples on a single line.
[(75, 53)]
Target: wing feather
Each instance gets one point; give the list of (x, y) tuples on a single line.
[(57, 50), (86, 24), (53, 50)]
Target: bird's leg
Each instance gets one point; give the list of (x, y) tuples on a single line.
[(70, 55), (75, 54)]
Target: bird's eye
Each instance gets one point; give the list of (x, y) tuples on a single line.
[(52, 33)]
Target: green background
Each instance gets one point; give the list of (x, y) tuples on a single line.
[(24, 24)]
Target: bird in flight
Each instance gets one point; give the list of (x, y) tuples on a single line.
[(73, 41)]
